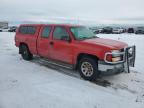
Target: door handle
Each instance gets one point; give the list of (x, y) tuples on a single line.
[(51, 43)]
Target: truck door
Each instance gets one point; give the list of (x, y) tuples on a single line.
[(60, 45), (43, 41)]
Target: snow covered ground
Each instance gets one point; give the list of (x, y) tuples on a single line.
[(25, 84)]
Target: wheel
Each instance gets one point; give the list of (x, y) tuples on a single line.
[(88, 68), (136, 32), (26, 55)]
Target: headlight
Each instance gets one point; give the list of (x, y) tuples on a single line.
[(115, 51), (115, 59), (116, 56)]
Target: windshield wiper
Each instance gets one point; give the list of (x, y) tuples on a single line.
[(93, 37), (82, 38)]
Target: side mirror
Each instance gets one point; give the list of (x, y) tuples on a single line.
[(66, 38)]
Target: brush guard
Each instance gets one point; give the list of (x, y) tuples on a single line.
[(128, 55)]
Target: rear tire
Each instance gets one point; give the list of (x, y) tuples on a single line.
[(26, 55), (88, 68)]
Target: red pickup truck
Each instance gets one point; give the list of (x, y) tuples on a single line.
[(75, 46)]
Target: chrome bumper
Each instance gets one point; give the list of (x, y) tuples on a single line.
[(128, 59), (106, 69)]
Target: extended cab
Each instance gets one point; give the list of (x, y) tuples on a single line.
[(74, 46)]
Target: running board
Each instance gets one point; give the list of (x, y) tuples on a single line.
[(57, 63)]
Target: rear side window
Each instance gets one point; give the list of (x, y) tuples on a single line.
[(27, 30), (46, 32), (23, 30), (31, 30)]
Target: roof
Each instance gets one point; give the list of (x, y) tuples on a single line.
[(66, 25)]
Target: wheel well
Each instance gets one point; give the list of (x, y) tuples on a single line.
[(20, 47), (82, 55)]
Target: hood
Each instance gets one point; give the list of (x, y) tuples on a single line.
[(113, 44)]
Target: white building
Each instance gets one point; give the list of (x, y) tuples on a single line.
[(4, 24)]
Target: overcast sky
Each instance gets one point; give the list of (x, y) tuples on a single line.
[(104, 11)]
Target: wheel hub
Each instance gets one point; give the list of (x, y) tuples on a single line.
[(87, 69)]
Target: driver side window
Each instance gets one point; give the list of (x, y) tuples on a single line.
[(60, 33)]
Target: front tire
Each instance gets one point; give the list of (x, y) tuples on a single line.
[(88, 68), (26, 55)]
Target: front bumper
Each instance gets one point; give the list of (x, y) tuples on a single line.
[(128, 60), (107, 69)]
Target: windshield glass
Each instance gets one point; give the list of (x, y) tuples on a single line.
[(82, 33)]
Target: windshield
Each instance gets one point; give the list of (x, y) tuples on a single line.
[(82, 33)]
